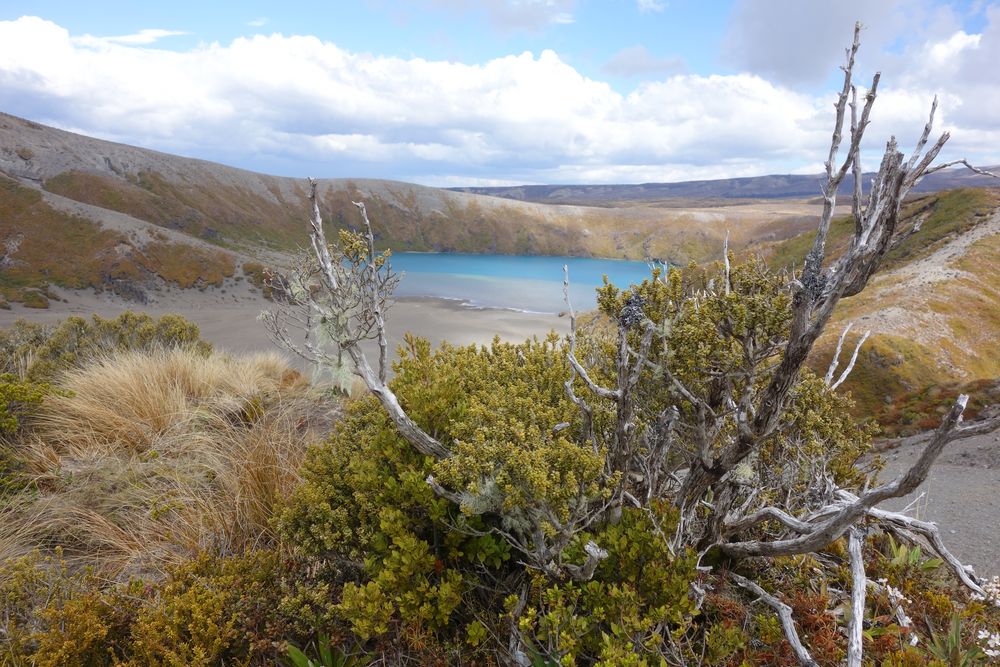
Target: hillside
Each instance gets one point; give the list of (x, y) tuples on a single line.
[(933, 310), (119, 199)]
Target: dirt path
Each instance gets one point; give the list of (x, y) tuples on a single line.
[(961, 495)]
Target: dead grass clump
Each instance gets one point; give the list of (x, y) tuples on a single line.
[(152, 457)]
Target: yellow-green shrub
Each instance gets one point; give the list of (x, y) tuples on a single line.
[(211, 611), (18, 398), (40, 352), (54, 616), (364, 503), (638, 596)]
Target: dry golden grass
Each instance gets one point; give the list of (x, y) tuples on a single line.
[(153, 457)]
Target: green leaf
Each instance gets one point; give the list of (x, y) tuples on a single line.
[(298, 658), (325, 654)]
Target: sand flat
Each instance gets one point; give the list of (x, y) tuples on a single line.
[(229, 319)]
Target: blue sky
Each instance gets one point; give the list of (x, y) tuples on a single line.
[(452, 92)]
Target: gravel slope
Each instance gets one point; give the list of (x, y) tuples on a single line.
[(961, 495)]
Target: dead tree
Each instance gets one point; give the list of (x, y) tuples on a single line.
[(691, 458)]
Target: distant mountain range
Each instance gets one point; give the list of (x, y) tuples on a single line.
[(692, 192)]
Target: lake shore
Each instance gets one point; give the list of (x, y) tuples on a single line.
[(228, 318)]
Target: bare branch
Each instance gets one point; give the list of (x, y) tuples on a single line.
[(767, 514), (725, 259), (375, 303), (858, 579), (832, 528), (856, 171), (585, 572), (349, 308), (585, 410), (981, 427), (930, 532), (577, 368), (612, 394), (416, 436), (918, 149), (828, 379), (443, 492), (850, 365), (963, 161), (784, 614)]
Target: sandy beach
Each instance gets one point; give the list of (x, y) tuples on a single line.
[(227, 317)]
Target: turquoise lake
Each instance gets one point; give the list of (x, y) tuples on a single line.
[(532, 284)]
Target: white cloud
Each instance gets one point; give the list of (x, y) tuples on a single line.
[(515, 15), (295, 104), (944, 53), (647, 6), (143, 37), (638, 61), (258, 22), (796, 43)]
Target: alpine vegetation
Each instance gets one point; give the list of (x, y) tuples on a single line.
[(625, 478), (672, 483)]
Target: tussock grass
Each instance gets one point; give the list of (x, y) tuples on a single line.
[(152, 457)]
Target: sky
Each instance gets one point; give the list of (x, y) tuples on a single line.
[(501, 92)]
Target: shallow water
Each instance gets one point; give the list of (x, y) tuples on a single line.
[(531, 284)]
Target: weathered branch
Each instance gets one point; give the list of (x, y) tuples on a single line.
[(411, 432), (610, 394), (963, 161), (725, 261), (832, 528), (858, 585), (828, 379), (767, 514), (357, 294), (443, 492), (932, 534), (784, 614), (585, 572), (375, 303), (850, 364), (577, 367)]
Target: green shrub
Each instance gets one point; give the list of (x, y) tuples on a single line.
[(211, 611), (639, 594), (53, 616), (41, 353), (364, 503), (18, 398)]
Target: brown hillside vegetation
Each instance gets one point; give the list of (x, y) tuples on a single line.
[(933, 310), (43, 246)]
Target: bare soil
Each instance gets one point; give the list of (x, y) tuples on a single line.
[(961, 495), (227, 317)]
